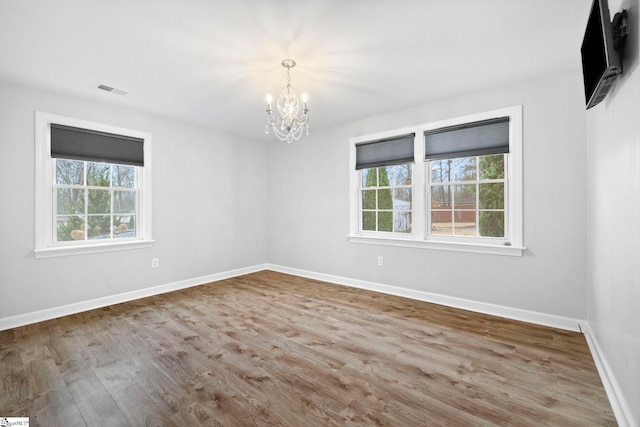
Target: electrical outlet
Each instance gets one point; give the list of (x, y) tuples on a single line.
[(380, 261), (155, 263)]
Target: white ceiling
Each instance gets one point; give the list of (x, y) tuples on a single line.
[(212, 62)]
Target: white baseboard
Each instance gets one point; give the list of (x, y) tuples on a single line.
[(65, 310), (545, 319), (618, 403), (486, 308)]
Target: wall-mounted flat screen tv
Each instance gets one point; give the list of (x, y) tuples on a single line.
[(601, 63)]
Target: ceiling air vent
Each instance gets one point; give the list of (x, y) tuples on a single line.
[(112, 89)]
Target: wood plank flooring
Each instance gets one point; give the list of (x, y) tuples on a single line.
[(273, 349)]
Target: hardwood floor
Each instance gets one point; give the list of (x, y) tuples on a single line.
[(273, 349)]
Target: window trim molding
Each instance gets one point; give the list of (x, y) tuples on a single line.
[(44, 245), (471, 247), (418, 238)]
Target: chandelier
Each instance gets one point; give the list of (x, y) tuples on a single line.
[(288, 127)]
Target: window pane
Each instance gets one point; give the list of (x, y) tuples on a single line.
[(468, 202), (441, 170), (369, 199), (370, 177), (70, 228), (465, 169), (492, 195), (399, 174), (492, 167), (124, 202), (402, 221), (441, 222), (369, 221), (441, 197), (124, 176), (402, 199), (70, 201), (465, 223), (69, 172), (385, 201), (383, 177), (385, 206), (99, 226), (385, 221), (492, 224), (99, 201), (125, 226), (98, 174), (465, 196)]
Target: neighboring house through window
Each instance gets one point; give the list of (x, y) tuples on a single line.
[(93, 187)]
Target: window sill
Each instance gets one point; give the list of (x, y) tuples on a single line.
[(91, 248), (444, 246)]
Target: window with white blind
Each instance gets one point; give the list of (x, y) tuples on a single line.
[(452, 185), (93, 187)]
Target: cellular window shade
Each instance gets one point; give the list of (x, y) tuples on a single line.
[(471, 139), (68, 142), (385, 152)]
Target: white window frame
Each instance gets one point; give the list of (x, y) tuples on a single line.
[(511, 245), (45, 241)]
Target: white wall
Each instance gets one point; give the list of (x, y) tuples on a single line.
[(309, 206), (209, 202), (613, 222)]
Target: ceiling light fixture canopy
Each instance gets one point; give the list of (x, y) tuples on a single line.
[(288, 127)]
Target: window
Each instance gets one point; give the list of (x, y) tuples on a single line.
[(386, 198), (385, 186), (466, 182), (92, 187), (94, 201), (458, 185), (467, 196)]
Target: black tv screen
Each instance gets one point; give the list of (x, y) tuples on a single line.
[(600, 62)]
